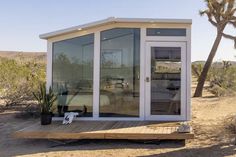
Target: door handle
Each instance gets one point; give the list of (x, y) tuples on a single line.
[(147, 79)]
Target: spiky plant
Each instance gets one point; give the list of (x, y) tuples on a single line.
[(45, 99)]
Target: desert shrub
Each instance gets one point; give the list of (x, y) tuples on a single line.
[(230, 123), (197, 69), (222, 79), (18, 79)]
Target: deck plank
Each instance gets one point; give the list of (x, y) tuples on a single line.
[(104, 130)]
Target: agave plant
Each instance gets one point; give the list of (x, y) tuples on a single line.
[(45, 99)]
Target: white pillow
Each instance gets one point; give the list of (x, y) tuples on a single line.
[(69, 116)]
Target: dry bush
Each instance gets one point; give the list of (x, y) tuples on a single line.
[(197, 69), (230, 123), (222, 79), (28, 110), (18, 79)]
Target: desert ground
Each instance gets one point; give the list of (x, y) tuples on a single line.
[(211, 122)]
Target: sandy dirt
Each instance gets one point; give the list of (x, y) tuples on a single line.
[(209, 121)]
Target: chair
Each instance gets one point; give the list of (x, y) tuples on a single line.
[(175, 101)]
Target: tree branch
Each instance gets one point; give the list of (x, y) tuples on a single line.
[(209, 15), (233, 18), (230, 5), (233, 23), (230, 37), (212, 22)]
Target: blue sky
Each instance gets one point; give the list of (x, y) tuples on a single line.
[(21, 21)]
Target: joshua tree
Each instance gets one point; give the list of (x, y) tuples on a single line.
[(220, 13)]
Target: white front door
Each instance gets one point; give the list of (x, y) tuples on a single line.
[(165, 81)]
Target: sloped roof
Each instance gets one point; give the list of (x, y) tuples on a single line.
[(112, 20)]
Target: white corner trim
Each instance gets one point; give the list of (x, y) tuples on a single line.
[(96, 75), (49, 65), (142, 73), (189, 69)]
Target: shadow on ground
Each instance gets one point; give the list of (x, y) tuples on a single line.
[(211, 151), (172, 148)]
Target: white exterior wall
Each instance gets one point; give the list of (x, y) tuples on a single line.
[(143, 40)]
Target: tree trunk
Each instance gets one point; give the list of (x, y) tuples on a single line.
[(202, 78)]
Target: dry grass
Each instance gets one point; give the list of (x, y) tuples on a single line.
[(230, 123)]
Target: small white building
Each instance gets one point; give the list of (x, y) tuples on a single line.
[(122, 69)]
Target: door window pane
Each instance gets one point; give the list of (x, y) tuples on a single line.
[(73, 75), (165, 80), (119, 74)]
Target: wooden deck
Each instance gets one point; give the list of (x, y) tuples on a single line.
[(135, 130)]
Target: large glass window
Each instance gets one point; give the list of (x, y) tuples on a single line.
[(73, 75), (119, 73)]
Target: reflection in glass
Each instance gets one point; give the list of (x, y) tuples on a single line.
[(119, 74), (73, 75), (165, 80)]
